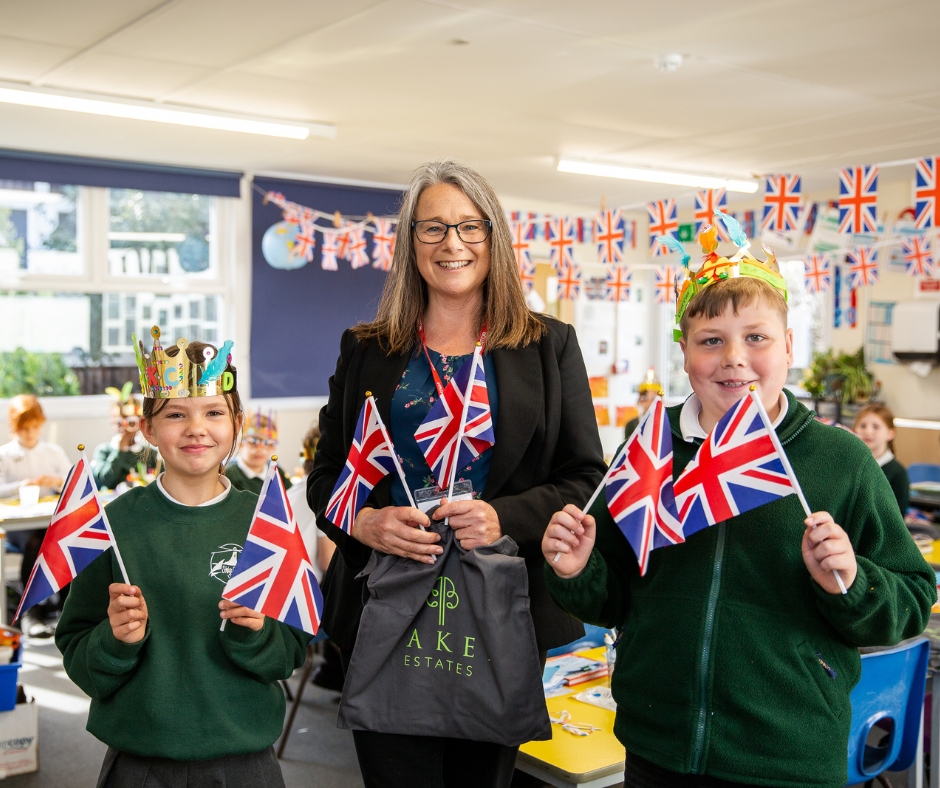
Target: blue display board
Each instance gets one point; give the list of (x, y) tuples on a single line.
[(298, 316)]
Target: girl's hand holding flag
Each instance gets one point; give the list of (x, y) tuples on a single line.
[(127, 613)]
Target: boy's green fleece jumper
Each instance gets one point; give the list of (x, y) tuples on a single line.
[(187, 691), (733, 662)]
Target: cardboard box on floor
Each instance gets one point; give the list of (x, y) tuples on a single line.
[(19, 737)]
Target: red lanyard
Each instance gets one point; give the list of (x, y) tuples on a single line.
[(437, 378)]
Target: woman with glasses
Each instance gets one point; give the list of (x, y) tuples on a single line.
[(454, 283)]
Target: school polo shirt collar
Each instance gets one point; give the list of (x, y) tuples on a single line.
[(247, 471), (218, 499), (689, 424), (885, 458)]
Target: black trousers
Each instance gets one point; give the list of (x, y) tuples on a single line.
[(390, 760), (640, 773)]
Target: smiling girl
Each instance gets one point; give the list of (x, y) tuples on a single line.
[(874, 424), (177, 700)]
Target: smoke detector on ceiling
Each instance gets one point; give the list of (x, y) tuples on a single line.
[(668, 63)]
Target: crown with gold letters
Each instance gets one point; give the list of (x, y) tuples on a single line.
[(165, 376), (715, 268)]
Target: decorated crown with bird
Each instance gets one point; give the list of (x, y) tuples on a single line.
[(715, 268), (165, 376)]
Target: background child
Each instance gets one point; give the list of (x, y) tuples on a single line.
[(113, 461), (28, 460), (168, 687), (259, 442), (874, 424), (647, 392), (737, 651)]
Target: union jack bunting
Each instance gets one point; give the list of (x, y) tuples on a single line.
[(858, 195), (818, 274), (560, 233), (609, 236), (78, 533), (748, 221), (273, 574), (619, 282), (735, 470), (707, 203), (518, 217), (665, 284), (926, 193), (383, 244), (520, 243), (304, 242), (918, 257), (781, 202), (329, 249), (369, 461), (863, 268), (344, 240), (569, 282), (639, 488), (358, 256), (527, 275), (663, 221)]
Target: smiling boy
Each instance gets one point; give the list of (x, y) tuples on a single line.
[(738, 651)]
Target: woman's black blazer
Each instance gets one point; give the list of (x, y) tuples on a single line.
[(547, 454)]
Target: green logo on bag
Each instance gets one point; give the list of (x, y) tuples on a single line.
[(441, 598)]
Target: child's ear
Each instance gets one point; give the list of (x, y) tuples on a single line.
[(789, 341), (685, 356), (146, 429)]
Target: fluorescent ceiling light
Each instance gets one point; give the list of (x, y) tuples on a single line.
[(10, 93), (656, 176), (152, 237)]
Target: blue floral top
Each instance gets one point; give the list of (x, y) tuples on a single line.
[(411, 402)]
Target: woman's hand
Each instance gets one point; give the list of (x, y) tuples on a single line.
[(568, 541), (127, 613), (243, 616), (396, 530), (826, 548), (474, 523)]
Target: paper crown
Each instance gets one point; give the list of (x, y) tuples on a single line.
[(170, 377), (260, 426), (714, 268), (651, 384), (124, 404)]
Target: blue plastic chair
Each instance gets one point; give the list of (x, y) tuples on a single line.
[(889, 695), (923, 472), (593, 636)]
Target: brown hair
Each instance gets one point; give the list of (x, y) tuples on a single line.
[(152, 407), (741, 291), (310, 442), (510, 323), (25, 411), (882, 412)]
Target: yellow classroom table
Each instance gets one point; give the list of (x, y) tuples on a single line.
[(593, 761)]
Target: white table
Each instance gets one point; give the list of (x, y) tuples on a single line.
[(14, 519)]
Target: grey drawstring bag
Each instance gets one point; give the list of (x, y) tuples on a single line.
[(447, 649)]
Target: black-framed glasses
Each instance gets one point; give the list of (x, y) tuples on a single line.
[(472, 231)]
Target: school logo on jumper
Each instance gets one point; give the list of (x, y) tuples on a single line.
[(223, 560)]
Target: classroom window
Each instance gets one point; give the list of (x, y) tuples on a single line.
[(178, 311), (210, 309), (194, 310), (39, 229), (878, 333), (146, 312), (162, 317)]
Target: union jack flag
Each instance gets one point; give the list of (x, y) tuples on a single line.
[(560, 234), (707, 204), (609, 236), (383, 244), (438, 436), (344, 240), (329, 249), (569, 282), (863, 268), (370, 460), (665, 284), (305, 241), (518, 217), (735, 470), (918, 257), (926, 193), (858, 195), (527, 275), (663, 221), (639, 488), (358, 256), (818, 274), (619, 282), (273, 574), (781, 202), (748, 221), (78, 533), (520, 243)]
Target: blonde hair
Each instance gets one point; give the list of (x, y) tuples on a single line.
[(510, 323), (741, 291), (883, 412)]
